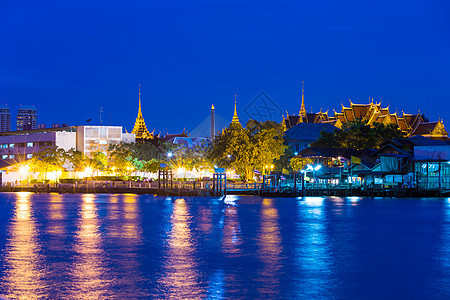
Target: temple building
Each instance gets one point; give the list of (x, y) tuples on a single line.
[(410, 124), (235, 116), (139, 129)]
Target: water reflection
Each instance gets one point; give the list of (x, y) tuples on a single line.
[(56, 215), (125, 239), (181, 278), (269, 253), (88, 268), (314, 258), (444, 257), (24, 278), (232, 237)]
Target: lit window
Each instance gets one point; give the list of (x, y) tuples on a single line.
[(11, 145), (11, 156), (30, 144), (5, 146), (29, 155), (103, 142), (4, 156)]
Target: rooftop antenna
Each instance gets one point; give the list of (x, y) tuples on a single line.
[(101, 111)]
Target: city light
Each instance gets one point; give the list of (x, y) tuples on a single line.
[(169, 155), (24, 169), (88, 170)]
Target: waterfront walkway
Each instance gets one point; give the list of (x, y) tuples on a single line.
[(192, 188)]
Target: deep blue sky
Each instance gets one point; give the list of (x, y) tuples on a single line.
[(69, 58)]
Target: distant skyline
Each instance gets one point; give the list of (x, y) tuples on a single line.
[(69, 59)]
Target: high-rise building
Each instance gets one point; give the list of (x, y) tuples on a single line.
[(5, 119), (26, 118)]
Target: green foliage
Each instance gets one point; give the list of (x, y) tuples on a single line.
[(144, 156), (49, 158), (195, 158), (244, 149), (76, 159), (298, 163), (358, 135)]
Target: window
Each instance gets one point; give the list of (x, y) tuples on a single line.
[(103, 132), (4, 156), (11, 145), (4, 146), (30, 144), (91, 132), (114, 133), (11, 156), (103, 142), (29, 155)]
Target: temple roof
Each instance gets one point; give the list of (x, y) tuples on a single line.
[(140, 129), (430, 128), (235, 115)]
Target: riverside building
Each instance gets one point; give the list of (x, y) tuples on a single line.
[(20, 146)]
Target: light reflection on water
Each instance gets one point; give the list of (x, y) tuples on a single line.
[(314, 258), (181, 275), (269, 251), (24, 277), (87, 270), (127, 246)]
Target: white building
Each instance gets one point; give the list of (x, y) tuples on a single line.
[(19, 146), (92, 139)]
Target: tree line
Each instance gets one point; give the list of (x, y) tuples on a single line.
[(258, 147)]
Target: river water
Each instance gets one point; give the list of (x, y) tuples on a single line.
[(87, 246)]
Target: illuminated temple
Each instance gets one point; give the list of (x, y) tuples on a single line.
[(139, 129), (409, 124)]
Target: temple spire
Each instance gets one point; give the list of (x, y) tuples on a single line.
[(140, 130), (235, 116), (302, 112), (140, 111)]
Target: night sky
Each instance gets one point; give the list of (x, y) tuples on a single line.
[(69, 58)]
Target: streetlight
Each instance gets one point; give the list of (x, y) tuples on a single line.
[(313, 169), (169, 155)]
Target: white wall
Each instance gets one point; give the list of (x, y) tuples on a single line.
[(66, 140)]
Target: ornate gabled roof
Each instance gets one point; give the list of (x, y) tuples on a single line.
[(370, 113), (139, 129), (430, 129), (348, 113)]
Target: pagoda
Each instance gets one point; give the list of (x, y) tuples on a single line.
[(235, 116), (139, 129)]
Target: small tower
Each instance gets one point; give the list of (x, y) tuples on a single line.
[(140, 130), (213, 122), (302, 112), (235, 116)]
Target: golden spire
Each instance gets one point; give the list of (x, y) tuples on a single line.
[(235, 116), (139, 129), (302, 112), (140, 111)]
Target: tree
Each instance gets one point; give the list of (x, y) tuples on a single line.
[(358, 135), (145, 156), (76, 159), (51, 157), (245, 149)]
